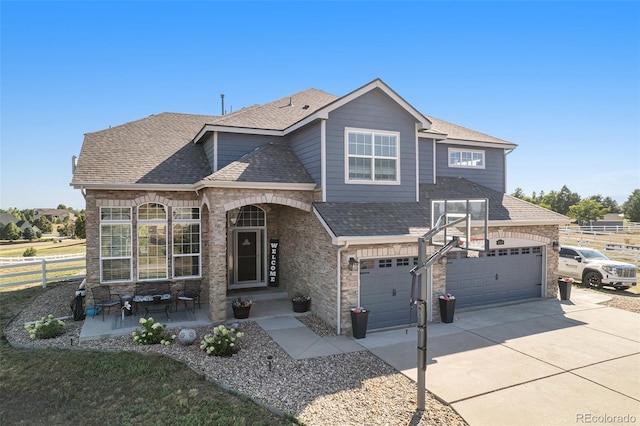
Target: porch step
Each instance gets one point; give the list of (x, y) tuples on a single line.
[(263, 293)]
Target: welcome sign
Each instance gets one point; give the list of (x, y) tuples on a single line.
[(274, 253)]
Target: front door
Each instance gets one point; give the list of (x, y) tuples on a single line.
[(248, 255)]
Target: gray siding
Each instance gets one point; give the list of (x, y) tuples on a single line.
[(306, 145), (209, 149), (374, 111), (232, 146), (492, 176), (425, 148)]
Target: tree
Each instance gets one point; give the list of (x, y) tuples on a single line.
[(587, 211), (28, 234), (81, 226), (10, 232), (67, 230), (43, 224), (631, 207), (519, 193), (561, 201), (607, 202), (61, 207)]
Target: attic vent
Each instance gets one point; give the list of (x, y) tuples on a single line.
[(305, 107)]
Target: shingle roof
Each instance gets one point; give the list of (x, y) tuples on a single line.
[(393, 219), (155, 150), (272, 162), (279, 114), (454, 131)]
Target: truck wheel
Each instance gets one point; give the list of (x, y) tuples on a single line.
[(593, 278)]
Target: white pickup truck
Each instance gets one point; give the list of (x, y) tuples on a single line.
[(593, 268)]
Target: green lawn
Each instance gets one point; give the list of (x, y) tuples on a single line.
[(63, 387)]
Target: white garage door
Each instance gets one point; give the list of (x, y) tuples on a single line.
[(496, 276)]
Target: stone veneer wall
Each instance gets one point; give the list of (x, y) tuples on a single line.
[(308, 258), (220, 201), (96, 199), (308, 261)]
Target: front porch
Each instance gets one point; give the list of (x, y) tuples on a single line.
[(268, 302)]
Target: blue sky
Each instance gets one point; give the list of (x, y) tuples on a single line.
[(560, 79)]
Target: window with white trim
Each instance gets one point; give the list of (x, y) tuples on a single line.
[(466, 158), (115, 244), (371, 156), (186, 242), (152, 242)]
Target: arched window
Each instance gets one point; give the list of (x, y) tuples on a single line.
[(152, 241)]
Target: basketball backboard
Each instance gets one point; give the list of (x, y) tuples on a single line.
[(472, 232)]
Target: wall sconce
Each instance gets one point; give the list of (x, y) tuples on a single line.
[(353, 264), (555, 246)]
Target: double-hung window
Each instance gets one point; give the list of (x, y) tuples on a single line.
[(152, 241), (372, 156), (466, 158), (186, 242), (115, 244)]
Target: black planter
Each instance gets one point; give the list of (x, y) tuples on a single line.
[(359, 324), (300, 306), (447, 308), (241, 312), (565, 289)]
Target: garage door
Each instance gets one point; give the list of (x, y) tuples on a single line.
[(385, 287), (496, 276)]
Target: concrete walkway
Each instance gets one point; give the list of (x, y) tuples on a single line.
[(300, 342), (546, 362)]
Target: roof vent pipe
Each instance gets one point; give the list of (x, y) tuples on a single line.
[(222, 100)]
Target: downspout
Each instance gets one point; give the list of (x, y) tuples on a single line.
[(338, 286)]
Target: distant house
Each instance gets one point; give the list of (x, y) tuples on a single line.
[(53, 215), (610, 219), (5, 218), (319, 194)]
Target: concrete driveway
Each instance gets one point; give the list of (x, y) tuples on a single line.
[(546, 362)]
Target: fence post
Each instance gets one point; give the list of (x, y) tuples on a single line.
[(44, 273)]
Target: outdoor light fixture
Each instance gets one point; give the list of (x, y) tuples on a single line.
[(353, 264), (555, 245)]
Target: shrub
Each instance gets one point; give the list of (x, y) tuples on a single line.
[(152, 333), (222, 342), (30, 252), (46, 328)]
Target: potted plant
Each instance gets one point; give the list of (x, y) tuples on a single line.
[(301, 303), (359, 317), (565, 284), (447, 307), (241, 308)]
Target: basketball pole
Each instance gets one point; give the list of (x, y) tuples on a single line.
[(422, 269)]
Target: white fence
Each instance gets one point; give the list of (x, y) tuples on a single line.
[(41, 271), (620, 246), (628, 228), (23, 260)]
